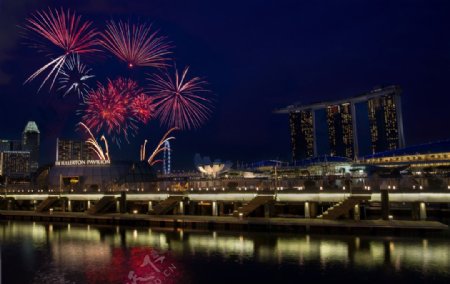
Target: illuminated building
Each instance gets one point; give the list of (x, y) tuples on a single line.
[(385, 122), (15, 164), (31, 142), (211, 169), (10, 145), (94, 175), (340, 130), (67, 150), (302, 134), (344, 121), (429, 156), (20, 158)]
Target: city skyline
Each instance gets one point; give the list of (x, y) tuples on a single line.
[(247, 85), (224, 141)]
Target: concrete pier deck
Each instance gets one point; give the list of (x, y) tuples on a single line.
[(233, 223)]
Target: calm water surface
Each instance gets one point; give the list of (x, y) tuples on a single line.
[(56, 253)]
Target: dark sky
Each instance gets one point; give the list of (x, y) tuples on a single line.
[(257, 56)]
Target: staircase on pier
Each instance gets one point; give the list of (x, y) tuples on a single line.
[(166, 205), (102, 206), (3, 203), (343, 207), (47, 203), (254, 204)]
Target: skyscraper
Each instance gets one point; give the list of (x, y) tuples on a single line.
[(384, 118), (382, 111), (340, 130), (302, 134), (31, 142)]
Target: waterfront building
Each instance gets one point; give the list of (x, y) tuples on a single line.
[(67, 150), (433, 156), (347, 134), (209, 168), (98, 175), (15, 164)]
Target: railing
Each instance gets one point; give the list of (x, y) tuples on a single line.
[(271, 190)]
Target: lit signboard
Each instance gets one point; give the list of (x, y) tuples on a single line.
[(82, 162)]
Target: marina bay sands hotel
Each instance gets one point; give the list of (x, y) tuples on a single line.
[(353, 127)]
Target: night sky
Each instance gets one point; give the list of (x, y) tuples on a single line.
[(257, 56)]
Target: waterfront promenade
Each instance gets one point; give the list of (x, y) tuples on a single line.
[(234, 223)]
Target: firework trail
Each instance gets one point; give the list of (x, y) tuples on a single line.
[(65, 30), (142, 151), (137, 45), (178, 102), (92, 142), (74, 76), (159, 148), (108, 109)]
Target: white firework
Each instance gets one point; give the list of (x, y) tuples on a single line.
[(74, 77)]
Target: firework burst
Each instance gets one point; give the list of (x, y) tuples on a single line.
[(108, 109), (74, 77), (178, 102), (137, 45), (128, 86), (142, 108), (65, 30), (139, 103)]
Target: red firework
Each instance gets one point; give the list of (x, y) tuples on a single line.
[(65, 30), (128, 86), (108, 109), (136, 44), (178, 101), (142, 108), (140, 104)]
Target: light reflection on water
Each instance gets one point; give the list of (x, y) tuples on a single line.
[(57, 253)]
